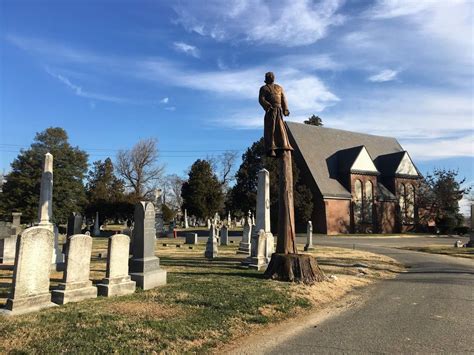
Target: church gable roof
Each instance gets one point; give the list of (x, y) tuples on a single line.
[(396, 164), (406, 167), (319, 147)]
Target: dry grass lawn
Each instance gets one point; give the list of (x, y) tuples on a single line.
[(445, 250), (204, 305)]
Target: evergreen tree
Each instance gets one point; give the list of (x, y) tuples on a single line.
[(438, 198), (243, 195), (22, 188), (202, 194), (106, 193), (314, 120)]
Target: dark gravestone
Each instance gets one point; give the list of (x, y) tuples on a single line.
[(144, 265), (74, 226)]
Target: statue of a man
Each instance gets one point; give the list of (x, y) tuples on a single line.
[(272, 98)]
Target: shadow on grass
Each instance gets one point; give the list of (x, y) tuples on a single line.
[(251, 275), (217, 262)]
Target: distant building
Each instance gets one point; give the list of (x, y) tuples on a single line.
[(360, 183)]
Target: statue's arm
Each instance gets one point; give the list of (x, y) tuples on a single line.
[(264, 103), (284, 103)]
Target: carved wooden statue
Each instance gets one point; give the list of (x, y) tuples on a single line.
[(286, 264)]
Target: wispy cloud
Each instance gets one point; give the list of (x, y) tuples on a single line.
[(304, 91), (441, 148), (52, 49), (164, 100), (385, 9), (187, 49), (79, 91), (384, 75), (287, 23)]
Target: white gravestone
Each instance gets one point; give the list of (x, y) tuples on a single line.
[(224, 236), (76, 285), (217, 233), (117, 281), (144, 265), (30, 289), (245, 246), (211, 245), (262, 244), (186, 222), (309, 237), (45, 210)]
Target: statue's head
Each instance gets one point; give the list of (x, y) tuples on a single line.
[(269, 77)]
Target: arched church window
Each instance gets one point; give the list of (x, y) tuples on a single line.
[(401, 201), (357, 201), (368, 202), (410, 203)]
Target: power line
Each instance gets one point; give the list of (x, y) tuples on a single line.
[(116, 150)]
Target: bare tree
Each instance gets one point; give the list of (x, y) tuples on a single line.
[(139, 167), (173, 184), (227, 162)]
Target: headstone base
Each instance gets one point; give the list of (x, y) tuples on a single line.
[(244, 248), (149, 279), (119, 286), (27, 304), (258, 263), (210, 254), (71, 292)]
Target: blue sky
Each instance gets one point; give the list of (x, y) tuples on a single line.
[(188, 73)]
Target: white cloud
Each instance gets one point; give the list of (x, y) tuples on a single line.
[(187, 49), (442, 27), (164, 100), (385, 9), (78, 90), (287, 23), (429, 124), (320, 61), (304, 91), (52, 49), (441, 148), (384, 75)]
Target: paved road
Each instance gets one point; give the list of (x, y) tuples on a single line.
[(429, 309)]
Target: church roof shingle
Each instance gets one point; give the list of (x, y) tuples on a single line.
[(323, 148)]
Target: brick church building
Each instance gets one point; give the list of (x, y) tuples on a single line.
[(360, 183)]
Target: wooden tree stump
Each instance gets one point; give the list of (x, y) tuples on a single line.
[(286, 264), (294, 268)]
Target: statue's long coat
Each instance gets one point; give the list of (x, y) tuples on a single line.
[(273, 101)]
